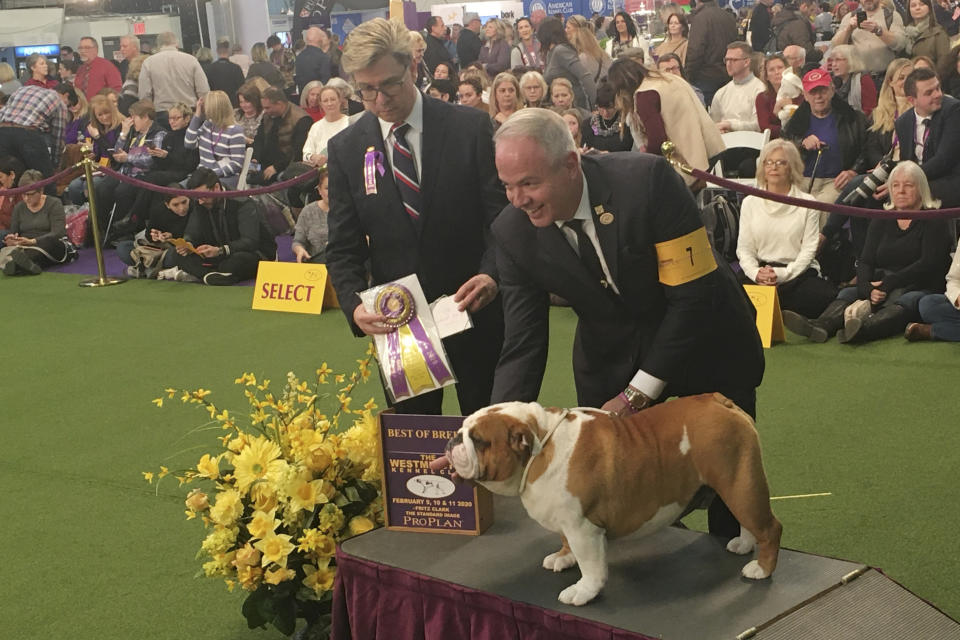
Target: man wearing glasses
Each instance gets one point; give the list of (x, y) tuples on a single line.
[(413, 189), (734, 107), (95, 73)]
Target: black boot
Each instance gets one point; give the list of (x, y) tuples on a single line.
[(886, 322), (21, 265), (821, 329)]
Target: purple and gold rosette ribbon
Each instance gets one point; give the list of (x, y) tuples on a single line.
[(372, 163), (414, 364)]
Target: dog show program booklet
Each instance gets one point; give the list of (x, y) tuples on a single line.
[(415, 498)]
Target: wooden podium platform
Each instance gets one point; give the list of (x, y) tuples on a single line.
[(675, 584)]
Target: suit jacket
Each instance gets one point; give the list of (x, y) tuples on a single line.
[(699, 336), (312, 64), (225, 76), (468, 47), (461, 196), (941, 155)]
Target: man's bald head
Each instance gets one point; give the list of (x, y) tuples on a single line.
[(312, 36)]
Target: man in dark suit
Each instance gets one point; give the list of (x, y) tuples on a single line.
[(224, 75), (312, 63), (929, 134), (432, 219), (468, 44), (436, 48), (620, 238)]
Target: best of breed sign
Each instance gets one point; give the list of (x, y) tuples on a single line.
[(290, 286), (416, 498)]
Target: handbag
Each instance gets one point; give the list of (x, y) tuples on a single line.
[(76, 223)]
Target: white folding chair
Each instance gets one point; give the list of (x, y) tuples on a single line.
[(247, 157)]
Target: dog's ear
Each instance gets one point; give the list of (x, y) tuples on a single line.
[(521, 441)]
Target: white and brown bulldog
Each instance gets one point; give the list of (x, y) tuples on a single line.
[(590, 475)]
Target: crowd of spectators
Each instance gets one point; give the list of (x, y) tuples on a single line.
[(807, 73)]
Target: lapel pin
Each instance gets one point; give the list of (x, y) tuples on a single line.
[(605, 216)]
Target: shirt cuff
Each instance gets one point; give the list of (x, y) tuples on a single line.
[(652, 386)]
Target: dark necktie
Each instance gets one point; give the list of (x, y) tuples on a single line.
[(588, 255), (922, 142), (405, 171)]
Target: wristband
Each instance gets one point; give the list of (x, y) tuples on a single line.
[(626, 401)]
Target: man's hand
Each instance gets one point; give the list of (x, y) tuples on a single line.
[(301, 253), (811, 142), (269, 172), (476, 293), (869, 25), (208, 251), (370, 323), (618, 406), (843, 178)]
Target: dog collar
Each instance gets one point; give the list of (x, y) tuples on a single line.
[(537, 448)]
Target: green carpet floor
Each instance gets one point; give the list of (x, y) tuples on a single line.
[(92, 551)]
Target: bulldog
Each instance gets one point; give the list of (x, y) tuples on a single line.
[(590, 475)]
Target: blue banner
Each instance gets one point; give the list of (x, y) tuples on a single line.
[(343, 22), (585, 8)]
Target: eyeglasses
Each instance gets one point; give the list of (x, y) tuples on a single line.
[(389, 89), (729, 60), (775, 163)]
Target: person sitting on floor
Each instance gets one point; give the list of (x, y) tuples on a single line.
[(165, 220), (903, 260), (940, 312), (778, 242), (229, 238), (38, 232), (310, 235)]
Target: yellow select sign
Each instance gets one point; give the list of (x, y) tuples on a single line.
[(290, 286), (769, 318)]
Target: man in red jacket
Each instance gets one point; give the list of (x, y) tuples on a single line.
[(95, 73)]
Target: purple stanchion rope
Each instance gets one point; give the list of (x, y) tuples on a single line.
[(279, 186), (36, 186), (921, 214)]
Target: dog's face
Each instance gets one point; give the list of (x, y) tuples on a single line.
[(494, 444)]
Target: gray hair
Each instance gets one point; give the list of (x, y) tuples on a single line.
[(544, 128), (134, 39), (794, 162), (167, 39), (345, 89), (500, 26), (534, 77), (307, 88), (374, 39), (849, 53), (919, 178)]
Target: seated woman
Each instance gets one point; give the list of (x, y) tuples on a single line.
[(38, 232), (310, 235), (603, 131), (903, 260), (100, 128), (505, 98), (218, 137), (777, 243), (940, 312), (166, 219), (333, 122), (853, 85), (250, 112), (310, 99), (534, 88), (561, 97)]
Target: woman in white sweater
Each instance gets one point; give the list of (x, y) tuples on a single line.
[(777, 244), (334, 121)]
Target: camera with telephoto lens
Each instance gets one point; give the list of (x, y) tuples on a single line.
[(871, 182)]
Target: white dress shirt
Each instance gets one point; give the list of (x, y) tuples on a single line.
[(414, 136)]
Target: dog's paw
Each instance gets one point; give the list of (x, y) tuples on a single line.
[(580, 593), (742, 544), (754, 571), (559, 561)]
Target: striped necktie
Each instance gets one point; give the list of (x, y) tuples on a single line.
[(405, 171)]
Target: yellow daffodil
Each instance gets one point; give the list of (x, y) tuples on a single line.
[(163, 471), (148, 476), (157, 401), (320, 580), (208, 467), (262, 524), (227, 509), (255, 461), (170, 392), (275, 548), (359, 524), (264, 497), (305, 494), (200, 394)]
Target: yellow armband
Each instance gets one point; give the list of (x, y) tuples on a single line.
[(686, 258)]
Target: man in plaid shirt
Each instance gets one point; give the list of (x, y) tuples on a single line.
[(31, 128)]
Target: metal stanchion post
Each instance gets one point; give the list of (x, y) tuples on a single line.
[(102, 280)]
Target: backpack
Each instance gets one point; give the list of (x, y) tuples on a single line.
[(721, 218)]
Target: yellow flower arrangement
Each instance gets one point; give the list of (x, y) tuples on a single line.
[(284, 491)]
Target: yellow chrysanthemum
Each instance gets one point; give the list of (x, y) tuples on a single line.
[(278, 575), (227, 508), (263, 524), (359, 524), (209, 467), (275, 548), (255, 461)]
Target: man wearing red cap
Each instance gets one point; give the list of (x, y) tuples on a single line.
[(831, 136)]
